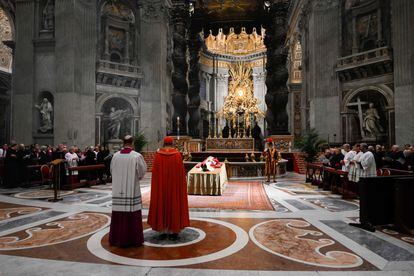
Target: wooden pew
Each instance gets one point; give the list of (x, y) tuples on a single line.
[(386, 200), (90, 173), (2, 172)]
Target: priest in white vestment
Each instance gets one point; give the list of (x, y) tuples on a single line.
[(348, 156), (353, 173), (367, 167), (127, 168), (72, 159)]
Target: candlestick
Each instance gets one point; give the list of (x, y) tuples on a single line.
[(178, 128)]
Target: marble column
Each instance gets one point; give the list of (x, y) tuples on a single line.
[(321, 81), (221, 90), (303, 26), (180, 17), (154, 61), (259, 87), (403, 40), (75, 52)]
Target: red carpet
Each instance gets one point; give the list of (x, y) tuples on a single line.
[(237, 196)]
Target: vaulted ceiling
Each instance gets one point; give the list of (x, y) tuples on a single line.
[(215, 14)]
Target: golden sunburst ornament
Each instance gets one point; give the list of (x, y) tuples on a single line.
[(240, 100)]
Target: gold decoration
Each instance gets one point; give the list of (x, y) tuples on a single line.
[(246, 157), (208, 61), (262, 158), (241, 100), (253, 157), (6, 55), (236, 44)]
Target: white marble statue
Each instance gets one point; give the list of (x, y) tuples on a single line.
[(46, 112), (371, 123)]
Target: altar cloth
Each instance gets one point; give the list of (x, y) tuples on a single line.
[(207, 183)]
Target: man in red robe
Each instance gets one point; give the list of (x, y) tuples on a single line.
[(168, 211)]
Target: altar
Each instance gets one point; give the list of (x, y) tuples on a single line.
[(201, 182)]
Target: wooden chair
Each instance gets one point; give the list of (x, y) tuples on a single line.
[(386, 172), (46, 173)]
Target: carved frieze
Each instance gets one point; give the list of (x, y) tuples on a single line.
[(154, 10), (321, 5), (230, 144)]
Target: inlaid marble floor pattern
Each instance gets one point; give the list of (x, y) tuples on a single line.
[(306, 234)]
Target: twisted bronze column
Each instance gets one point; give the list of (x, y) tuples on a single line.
[(195, 44), (277, 73), (180, 19)]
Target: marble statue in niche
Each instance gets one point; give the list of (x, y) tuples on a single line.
[(48, 16), (116, 119), (371, 124), (46, 113)]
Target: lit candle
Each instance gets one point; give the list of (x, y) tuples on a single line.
[(178, 127)]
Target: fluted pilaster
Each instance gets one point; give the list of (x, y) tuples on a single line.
[(403, 40)]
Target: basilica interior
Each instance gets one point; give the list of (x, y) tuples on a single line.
[(222, 78)]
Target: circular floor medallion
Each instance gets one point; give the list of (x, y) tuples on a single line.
[(96, 248), (188, 236), (408, 239), (41, 194), (390, 232), (297, 234)]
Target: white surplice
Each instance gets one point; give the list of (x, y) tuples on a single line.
[(354, 172), (72, 161), (127, 169), (369, 168), (347, 160)]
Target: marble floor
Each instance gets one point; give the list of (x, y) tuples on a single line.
[(305, 232)]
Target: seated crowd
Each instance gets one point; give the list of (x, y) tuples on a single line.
[(17, 160)]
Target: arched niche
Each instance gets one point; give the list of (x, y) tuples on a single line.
[(116, 113), (356, 111)]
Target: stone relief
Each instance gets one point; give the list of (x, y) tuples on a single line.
[(46, 115), (116, 119), (5, 35), (153, 11), (325, 4)]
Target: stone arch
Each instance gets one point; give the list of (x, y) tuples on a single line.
[(353, 128), (101, 100), (382, 89)]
